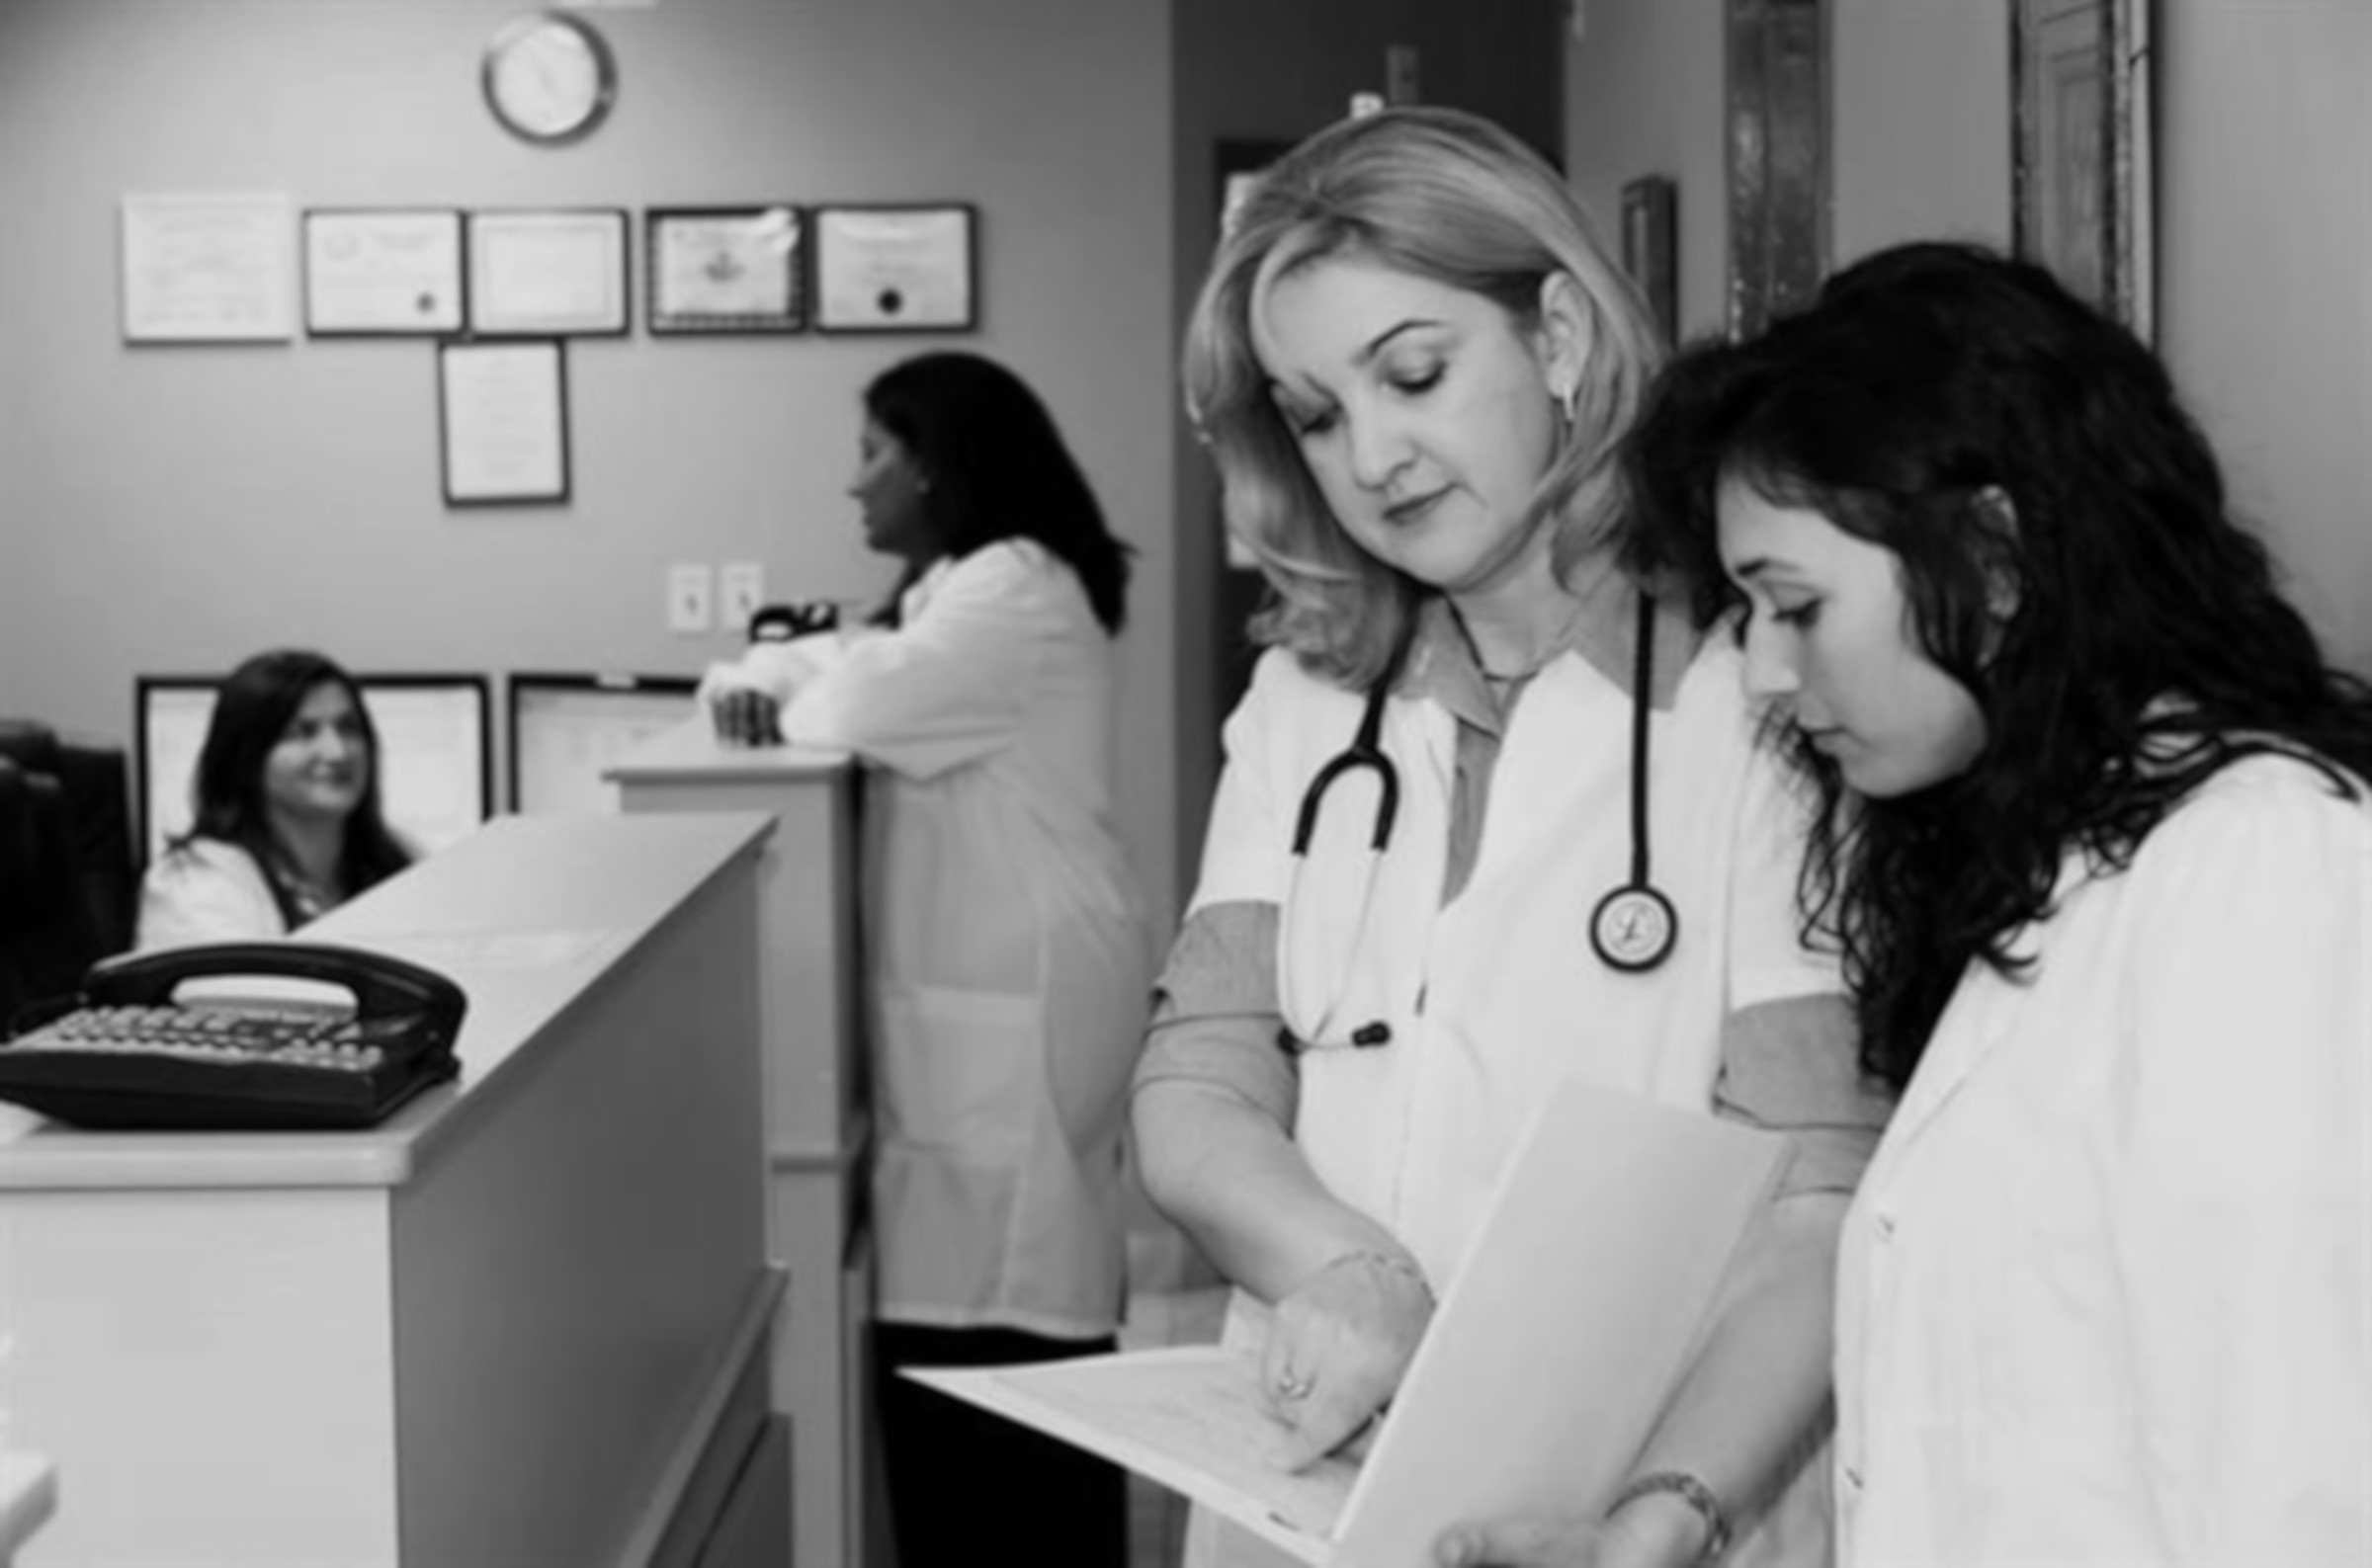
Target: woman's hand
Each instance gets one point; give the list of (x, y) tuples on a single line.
[(1648, 1532), (1337, 1346), (747, 719)]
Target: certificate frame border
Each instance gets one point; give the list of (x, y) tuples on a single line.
[(819, 224), (460, 270), (560, 369), (484, 315), (137, 211), (796, 314)]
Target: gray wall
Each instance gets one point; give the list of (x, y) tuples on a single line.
[(2264, 249), (2265, 275), (175, 508)]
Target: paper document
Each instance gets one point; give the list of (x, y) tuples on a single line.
[(1552, 1355), (1186, 1416)]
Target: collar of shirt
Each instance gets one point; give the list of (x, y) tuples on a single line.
[(1603, 633)]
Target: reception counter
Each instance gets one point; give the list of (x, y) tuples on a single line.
[(28, 1493), (809, 1016), (525, 1321)]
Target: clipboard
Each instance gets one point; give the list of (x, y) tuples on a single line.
[(1549, 1360)]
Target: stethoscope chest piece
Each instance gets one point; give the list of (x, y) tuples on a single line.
[(1634, 928)]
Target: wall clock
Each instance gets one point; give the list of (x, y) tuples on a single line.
[(550, 77)]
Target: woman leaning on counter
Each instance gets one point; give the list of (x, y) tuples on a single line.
[(1010, 957)]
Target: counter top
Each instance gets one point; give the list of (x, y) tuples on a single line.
[(28, 1496), (527, 914), (691, 750)]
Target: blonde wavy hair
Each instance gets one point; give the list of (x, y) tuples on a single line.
[(1442, 195)]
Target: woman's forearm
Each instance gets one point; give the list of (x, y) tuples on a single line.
[(1742, 1413), (1224, 1168)]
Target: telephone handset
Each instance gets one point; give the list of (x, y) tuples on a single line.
[(127, 1053), (783, 622)]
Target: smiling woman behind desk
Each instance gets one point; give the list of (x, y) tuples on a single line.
[(287, 823)]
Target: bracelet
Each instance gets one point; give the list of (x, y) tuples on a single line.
[(1695, 1493)]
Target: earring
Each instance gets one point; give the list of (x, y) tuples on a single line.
[(1569, 402)]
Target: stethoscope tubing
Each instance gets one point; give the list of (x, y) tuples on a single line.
[(1643, 679), (1617, 941)]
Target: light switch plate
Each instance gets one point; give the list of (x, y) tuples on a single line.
[(740, 591), (691, 599)]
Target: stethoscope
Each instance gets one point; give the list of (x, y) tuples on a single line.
[(1632, 929)]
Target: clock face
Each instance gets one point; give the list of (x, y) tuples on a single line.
[(550, 77)]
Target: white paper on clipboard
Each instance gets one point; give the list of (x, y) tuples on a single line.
[(1550, 1356)]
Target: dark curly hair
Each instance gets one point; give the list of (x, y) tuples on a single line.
[(252, 711), (999, 469), (2067, 555)]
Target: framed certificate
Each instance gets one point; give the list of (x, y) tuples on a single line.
[(896, 269), (207, 267), (382, 272), (726, 269), (503, 415), (545, 273)]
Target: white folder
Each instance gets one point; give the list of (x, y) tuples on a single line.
[(1551, 1356)]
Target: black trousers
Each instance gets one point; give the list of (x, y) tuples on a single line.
[(967, 1488)]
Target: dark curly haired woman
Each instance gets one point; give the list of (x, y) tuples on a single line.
[(2097, 851)]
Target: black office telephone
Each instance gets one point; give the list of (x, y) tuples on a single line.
[(127, 1053)]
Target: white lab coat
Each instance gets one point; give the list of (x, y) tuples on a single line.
[(205, 890), (1007, 940), (2105, 1297), (1498, 995)]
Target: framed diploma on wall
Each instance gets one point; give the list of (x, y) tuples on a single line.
[(896, 269), (209, 267), (503, 415), (726, 269), (544, 274), (382, 272)]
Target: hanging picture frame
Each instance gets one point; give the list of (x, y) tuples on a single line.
[(896, 269), (1778, 82), (726, 269), (2082, 171), (502, 408), (1648, 252), (382, 272), (549, 272), (209, 267)]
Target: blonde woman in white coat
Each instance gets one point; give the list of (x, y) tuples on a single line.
[(1414, 365), (1010, 952)]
